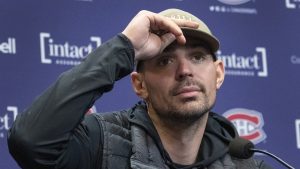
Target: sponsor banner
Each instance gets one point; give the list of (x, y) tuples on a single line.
[(55, 51), (233, 6), (297, 125), (8, 46), (292, 4), (7, 119), (249, 123), (245, 65)]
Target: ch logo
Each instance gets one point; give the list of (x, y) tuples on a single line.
[(249, 123), (234, 2)]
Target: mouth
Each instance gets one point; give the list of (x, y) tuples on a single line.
[(187, 91)]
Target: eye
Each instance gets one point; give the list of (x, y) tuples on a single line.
[(165, 61), (198, 57)]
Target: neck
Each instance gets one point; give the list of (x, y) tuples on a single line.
[(181, 141)]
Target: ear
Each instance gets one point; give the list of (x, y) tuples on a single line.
[(138, 84), (220, 70)]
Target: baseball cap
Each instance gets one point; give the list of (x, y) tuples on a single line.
[(202, 32)]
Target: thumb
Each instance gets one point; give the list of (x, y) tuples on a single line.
[(166, 40)]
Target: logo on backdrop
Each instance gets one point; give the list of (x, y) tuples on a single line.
[(8, 46), (297, 123), (292, 4), (249, 123), (246, 65), (64, 53), (85, 0), (234, 2), (295, 59), (7, 119), (234, 6)]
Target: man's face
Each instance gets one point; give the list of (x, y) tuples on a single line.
[(181, 83)]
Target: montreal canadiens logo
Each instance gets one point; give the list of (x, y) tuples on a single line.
[(249, 123), (234, 2)]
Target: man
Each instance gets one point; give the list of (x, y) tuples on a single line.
[(177, 76)]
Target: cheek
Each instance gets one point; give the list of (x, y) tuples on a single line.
[(157, 86), (212, 85), (208, 78)]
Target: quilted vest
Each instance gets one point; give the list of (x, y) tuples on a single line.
[(127, 146)]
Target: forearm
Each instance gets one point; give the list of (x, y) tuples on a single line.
[(50, 120)]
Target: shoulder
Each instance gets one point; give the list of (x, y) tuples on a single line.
[(111, 122), (117, 117)]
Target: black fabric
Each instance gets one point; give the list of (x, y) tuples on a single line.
[(50, 133), (116, 140)]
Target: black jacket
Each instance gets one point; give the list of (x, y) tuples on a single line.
[(54, 133)]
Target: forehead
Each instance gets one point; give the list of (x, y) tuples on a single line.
[(192, 45)]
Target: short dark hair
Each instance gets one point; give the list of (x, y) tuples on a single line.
[(139, 66)]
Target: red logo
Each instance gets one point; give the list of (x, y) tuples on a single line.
[(249, 123), (92, 110)]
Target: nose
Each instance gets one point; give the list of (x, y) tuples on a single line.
[(184, 69)]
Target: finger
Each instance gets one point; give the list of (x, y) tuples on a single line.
[(166, 40), (177, 28), (164, 24), (174, 29), (158, 22), (186, 23)]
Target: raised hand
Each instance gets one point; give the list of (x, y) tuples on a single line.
[(150, 33)]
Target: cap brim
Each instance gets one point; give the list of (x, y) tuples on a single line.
[(211, 40)]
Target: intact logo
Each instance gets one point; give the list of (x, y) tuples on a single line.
[(65, 53), (246, 65), (292, 4), (249, 123), (8, 46), (297, 124), (7, 119), (234, 6)]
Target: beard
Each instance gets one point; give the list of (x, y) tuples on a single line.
[(188, 111), (182, 116)]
